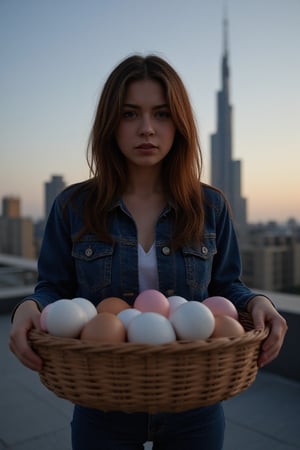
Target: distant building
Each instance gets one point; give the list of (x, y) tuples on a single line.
[(16, 232), (226, 172), (11, 207), (271, 257), (52, 189)]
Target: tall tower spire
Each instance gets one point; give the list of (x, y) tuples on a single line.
[(226, 172), (225, 56), (225, 34)]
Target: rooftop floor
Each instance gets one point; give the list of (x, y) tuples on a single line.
[(266, 416)]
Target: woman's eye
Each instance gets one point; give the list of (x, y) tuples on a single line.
[(128, 114), (163, 114)]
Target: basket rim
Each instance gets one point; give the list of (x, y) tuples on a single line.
[(39, 337)]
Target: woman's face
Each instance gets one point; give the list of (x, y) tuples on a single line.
[(145, 133)]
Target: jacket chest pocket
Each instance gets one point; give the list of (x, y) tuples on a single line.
[(198, 263), (93, 261)]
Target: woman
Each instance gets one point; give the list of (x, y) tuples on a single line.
[(143, 220)]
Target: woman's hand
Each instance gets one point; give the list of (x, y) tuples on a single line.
[(26, 317), (264, 314)]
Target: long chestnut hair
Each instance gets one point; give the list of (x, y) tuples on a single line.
[(181, 169)]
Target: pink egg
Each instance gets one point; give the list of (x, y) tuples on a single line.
[(43, 317), (152, 301), (221, 306)]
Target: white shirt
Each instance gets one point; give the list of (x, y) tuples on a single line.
[(147, 267)]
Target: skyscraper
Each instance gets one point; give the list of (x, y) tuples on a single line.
[(226, 172), (11, 207), (52, 189), (16, 232)]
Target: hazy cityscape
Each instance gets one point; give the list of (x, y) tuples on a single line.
[(270, 251)]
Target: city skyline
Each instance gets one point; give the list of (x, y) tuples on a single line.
[(55, 58)]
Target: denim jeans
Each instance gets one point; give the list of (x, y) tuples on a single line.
[(197, 429)]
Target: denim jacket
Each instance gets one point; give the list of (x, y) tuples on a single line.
[(92, 269)]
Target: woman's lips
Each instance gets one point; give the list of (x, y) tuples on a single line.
[(146, 146)]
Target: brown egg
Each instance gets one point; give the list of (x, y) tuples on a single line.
[(226, 326), (105, 327), (112, 305)]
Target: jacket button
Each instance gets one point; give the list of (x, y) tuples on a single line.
[(88, 252), (204, 250), (166, 251)]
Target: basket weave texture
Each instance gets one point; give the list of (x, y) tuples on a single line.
[(132, 377)]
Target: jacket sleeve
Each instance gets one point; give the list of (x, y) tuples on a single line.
[(56, 271), (227, 267)]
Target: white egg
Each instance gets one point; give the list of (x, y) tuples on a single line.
[(88, 307), (127, 315), (150, 328), (43, 317), (193, 320), (65, 319), (175, 301)]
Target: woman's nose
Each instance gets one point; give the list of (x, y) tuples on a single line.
[(146, 126)]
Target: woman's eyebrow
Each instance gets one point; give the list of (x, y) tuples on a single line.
[(164, 105), (132, 105)]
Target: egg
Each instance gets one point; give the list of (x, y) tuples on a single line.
[(65, 319), (227, 326), (193, 320), (127, 315), (150, 328), (105, 327), (221, 306), (88, 307), (112, 305), (174, 302), (43, 317), (152, 300)]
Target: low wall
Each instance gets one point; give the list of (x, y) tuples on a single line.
[(10, 297), (287, 364)]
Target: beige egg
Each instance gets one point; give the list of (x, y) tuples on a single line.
[(105, 327), (112, 305), (226, 326)]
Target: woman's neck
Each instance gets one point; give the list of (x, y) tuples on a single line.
[(145, 200), (144, 183)]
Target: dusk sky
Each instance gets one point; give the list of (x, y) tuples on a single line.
[(55, 56)]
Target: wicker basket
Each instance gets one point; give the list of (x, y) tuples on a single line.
[(149, 378)]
